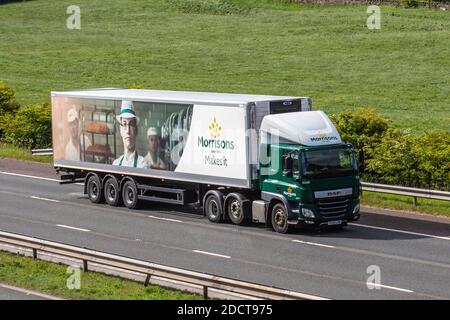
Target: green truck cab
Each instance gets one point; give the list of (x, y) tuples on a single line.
[(311, 178)]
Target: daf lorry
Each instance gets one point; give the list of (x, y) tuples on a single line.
[(242, 158)]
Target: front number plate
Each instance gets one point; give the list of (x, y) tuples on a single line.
[(335, 222)]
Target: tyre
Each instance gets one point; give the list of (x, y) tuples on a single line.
[(213, 208), (130, 195), (111, 191), (94, 189), (236, 210), (279, 218)]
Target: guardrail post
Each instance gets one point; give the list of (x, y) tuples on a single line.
[(205, 292), (85, 266), (147, 280), (34, 253), (414, 201)]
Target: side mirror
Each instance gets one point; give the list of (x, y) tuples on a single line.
[(361, 160), (287, 167)]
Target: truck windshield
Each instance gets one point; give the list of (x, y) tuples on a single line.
[(328, 162)]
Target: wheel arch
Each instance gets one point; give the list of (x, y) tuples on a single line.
[(107, 176), (273, 199), (125, 179)]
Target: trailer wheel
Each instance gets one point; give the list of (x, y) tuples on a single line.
[(111, 191), (236, 209), (130, 195), (94, 189), (213, 208), (280, 218)]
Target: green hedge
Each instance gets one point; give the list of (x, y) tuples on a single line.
[(29, 128), (363, 128), (421, 161), (409, 3), (8, 102), (214, 7), (394, 156)]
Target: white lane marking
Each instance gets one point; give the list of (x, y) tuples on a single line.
[(72, 228), (314, 244), (29, 292), (376, 286), (401, 231), (35, 177), (45, 199), (211, 254), (27, 176), (165, 219)]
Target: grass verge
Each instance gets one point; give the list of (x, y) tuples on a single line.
[(392, 201), (244, 46), (51, 278), (10, 151)]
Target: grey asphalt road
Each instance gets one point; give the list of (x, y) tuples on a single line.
[(8, 293), (413, 256)]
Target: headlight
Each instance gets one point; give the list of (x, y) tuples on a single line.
[(356, 209), (307, 213)]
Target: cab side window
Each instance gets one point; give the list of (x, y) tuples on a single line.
[(290, 163), (295, 166)]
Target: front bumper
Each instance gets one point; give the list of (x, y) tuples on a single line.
[(323, 224), (320, 221)]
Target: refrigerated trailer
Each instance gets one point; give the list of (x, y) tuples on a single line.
[(241, 157)]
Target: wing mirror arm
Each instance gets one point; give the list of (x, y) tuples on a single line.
[(361, 160)]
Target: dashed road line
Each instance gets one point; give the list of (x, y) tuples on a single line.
[(314, 244), (164, 219), (28, 176), (72, 228), (44, 199), (400, 231), (376, 286), (212, 254)]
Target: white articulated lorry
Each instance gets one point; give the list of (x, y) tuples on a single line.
[(267, 159)]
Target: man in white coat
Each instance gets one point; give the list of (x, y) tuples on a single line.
[(153, 159), (128, 122), (73, 146)]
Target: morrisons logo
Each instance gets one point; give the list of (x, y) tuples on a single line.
[(215, 143), (319, 139), (215, 131)]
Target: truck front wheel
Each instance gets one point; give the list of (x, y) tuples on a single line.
[(280, 218), (213, 208)]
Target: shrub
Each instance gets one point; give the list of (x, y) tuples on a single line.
[(397, 157), (421, 161), (409, 3), (432, 149), (8, 102), (216, 7), (363, 128), (29, 128), (392, 160)]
